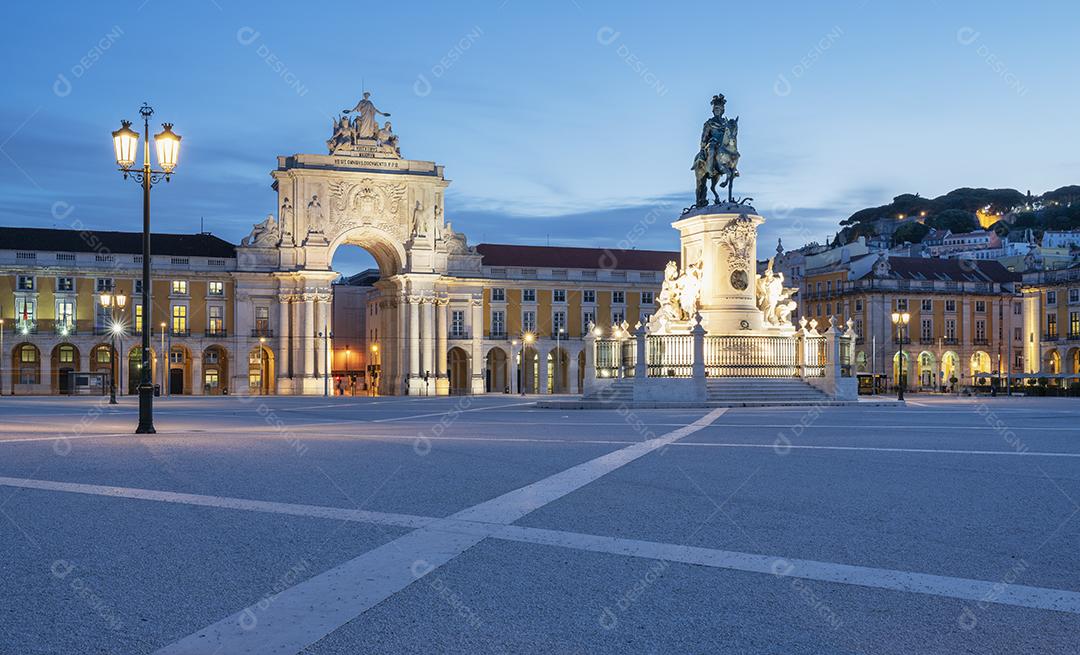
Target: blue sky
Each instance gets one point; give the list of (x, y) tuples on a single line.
[(564, 122)]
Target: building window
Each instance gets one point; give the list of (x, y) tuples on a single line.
[(586, 318), (1017, 310), (176, 356), (980, 331), (215, 316), (528, 295), (528, 320), (104, 355), (618, 298), (828, 287), (216, 288), (927, 305), (828, 308), (179, 320), (1074, 295), (588, 296), (138, 287), (457, 323), (927, 330), (618, 316), (67, 354), (1051, 297), (65, 313), (901, 304), (858, 327), (24, 312), (1074, 324), (138, 319), (498, 295), (26, 283), (950, 305), (558, 322), (65, 284), (817, 289), (646, 297), (498, 323), (858, 304), (1051, 326), (103, 284), (558, 295), (262, 321), (980, 306), (179, 287), (950, 329)]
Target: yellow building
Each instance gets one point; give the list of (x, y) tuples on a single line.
[(59, 338), (1053, 324), (966, 316)]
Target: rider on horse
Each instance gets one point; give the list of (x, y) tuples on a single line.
[(719, 155)]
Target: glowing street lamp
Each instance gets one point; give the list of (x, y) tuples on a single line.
[(115, 303), (901, 322), (126, 145)]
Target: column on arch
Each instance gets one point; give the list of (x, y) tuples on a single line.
[(414, 336), (442, 329), (477, 325), (284, 360), (306, 338), (429, 336)]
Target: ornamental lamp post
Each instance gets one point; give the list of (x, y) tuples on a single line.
[(901, 321), (126, 145), (115, 303), (527, 339)]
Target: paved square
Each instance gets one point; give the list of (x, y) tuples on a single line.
[(484, 524)]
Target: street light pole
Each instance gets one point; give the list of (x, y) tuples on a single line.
[(126, 142), (901, 321)]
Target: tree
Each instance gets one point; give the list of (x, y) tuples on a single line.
[(912, 232), (956, 221)]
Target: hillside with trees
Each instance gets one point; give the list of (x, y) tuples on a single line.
[(910, 217)]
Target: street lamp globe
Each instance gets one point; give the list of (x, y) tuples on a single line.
[(106, 300), (121, 300), (895, 317), (126, 144), (905, 317), (168, 147)]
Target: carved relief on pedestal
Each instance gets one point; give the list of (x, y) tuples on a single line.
[(738, 238)]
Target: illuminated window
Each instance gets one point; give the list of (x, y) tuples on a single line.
[(65, 313), (26, 283), (216, 288), (262, 320), (1051, 325), (179, 319), (67, 354), (138, 319), (1074, 324), (65, 284), (215, 316), (179, 287)]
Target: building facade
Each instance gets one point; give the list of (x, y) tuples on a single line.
[(967, 317)]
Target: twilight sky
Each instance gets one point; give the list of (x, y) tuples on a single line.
[(570, 122)]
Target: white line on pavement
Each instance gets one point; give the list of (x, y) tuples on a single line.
[(310, 610), (945, 451), (383, 563)]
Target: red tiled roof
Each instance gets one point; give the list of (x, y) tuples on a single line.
[(498, 254)]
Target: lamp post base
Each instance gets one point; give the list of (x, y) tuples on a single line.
[(146, 410)]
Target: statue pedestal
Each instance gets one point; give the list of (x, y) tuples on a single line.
[(723, 239)]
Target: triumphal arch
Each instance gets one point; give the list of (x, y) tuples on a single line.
[(363, 192)]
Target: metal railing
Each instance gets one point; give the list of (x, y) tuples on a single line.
[(669, 356), (751, 356)]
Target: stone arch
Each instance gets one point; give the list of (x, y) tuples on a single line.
[(498, 370), (1052, 362), (927, 365), (133, 364), (558, 370), (529, 365), (215, 370), (905, 368), (950, 367), (25, 367), (457, 368), (979, 364), (179, 379), (1071, 365), (389, 252), (261, 373), (65, 360)]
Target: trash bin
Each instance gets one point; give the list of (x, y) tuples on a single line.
[(157, 390)]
